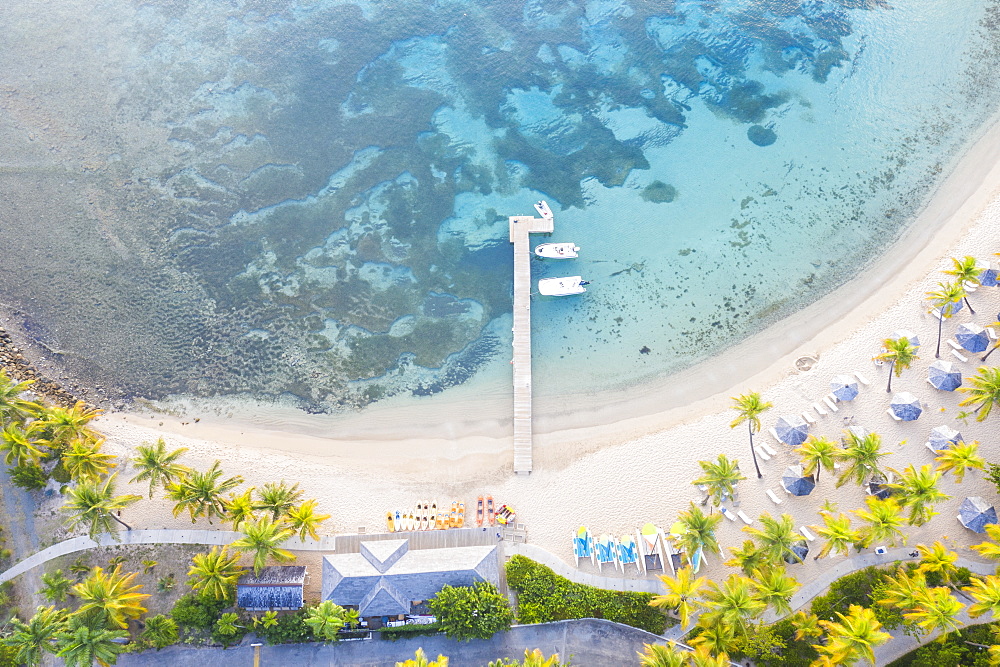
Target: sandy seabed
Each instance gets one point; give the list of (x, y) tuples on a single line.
[(615, 464)]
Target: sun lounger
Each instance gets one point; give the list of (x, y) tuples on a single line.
[(583, 545), (935, 312), (628, 553), (807, 534), (955, 345), (831, 404), (606, 551), (970, 286), (892, 414), (729, 514), (958, 355), (819, 410), (774, 434), (992, 334), (769, 449), (862, 379), (808, 417), (761, 453), (929, 446), (744, 518), (776, 499)]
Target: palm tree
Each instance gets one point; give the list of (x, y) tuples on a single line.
[(734, 603), (326, 619), (965, 271), (659, 655), (36, 637), (160, 631), (80, 644), (304, 520), (854, 637), (817, 453), (900, 353), (806, 625), (885, 520), (985, 391), (13, 407), (62, 425), (56, 586), (996, 343), (720, 479), (702, 657), (95, 505), (936, 609), (775, 589), (18, 444), (839, 535), (278, 498), (944, 300), (262, 539), (111, 596), (200, 493), (420, 660), (777, 537), (986, 593), (84, 461), (919, 492), (749, 408), (699, 531), (960, 458), (862, 455), (713, 637), (990, 549), (938, 558), (748, 558), (680, 594), (157, 465), (214, 574), (240, 508), (902, 590)]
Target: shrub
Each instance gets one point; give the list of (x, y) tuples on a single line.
[(964, 647), (29, 477), (60, 474), (196, 611), (412, 630), (290, 629), (544, 596), (160, 632), (472, 612), (855, 588), (796, 652)]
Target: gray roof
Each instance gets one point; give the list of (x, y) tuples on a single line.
[(386, 576), (275, 575), (269, 597)]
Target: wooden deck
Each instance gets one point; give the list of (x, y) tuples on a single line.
[(520, 227), (424, 539)]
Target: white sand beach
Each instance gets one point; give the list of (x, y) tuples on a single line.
[(614, 463)]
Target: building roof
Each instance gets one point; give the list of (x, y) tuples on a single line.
[(269, 597), (386, 576), (275, 575)]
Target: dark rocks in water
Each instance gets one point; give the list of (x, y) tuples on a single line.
[(761, 136), (644, 350), (659, 192)]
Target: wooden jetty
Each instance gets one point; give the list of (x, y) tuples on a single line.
[(520, 227)]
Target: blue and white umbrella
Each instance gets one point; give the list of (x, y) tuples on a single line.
[(908, 335), (799, 552), (951, 308), (943, 437), (792, 430), (988, 278), (906, 406), (844, 387), (879, 487), (975, 514), (972, 337), (797, 483), (942, 375)]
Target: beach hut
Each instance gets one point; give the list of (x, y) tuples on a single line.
[(906, 406), (943, 375), (908, 335), (791, 430), (943, 437), (797, 483), (972, 337), (844, 387), (975, 514)]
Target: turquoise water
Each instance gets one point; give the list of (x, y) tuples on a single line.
[(330, 183)]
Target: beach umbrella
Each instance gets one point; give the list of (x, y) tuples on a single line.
[(988, 278), (975, 514), (972, 337), (796, 483), (906, 406), (943, 437), (908, 335), (942, 375), (792, 430), (800, 549), (879, 487), (844, 387)]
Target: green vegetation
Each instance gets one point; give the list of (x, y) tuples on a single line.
[(545, 596), (472, 612)]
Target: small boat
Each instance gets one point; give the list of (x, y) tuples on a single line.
[(650, 547), (505, 515), (583, 545), (399, 521), (543, 209), (606, 552), (562, 286), (490, 514), (557, 250), (389, 521), (628, 553), (480, 511)]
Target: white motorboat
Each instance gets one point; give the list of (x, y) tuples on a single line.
[(557, 250), (562, 286), (543, 209)]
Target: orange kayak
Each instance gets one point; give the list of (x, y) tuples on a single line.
[(479, 511), (490, 516)]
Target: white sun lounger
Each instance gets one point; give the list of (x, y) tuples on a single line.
[(761, 453), (768, 448), (992, 334), (819, 410), (892, 414), (774, 434), (862, 379), (776, 499), (958, 355), (806, 533), (935, 312), (729, 514), (955, 345), (929, 446), (808, 417), (830, 404), (744, 518)]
